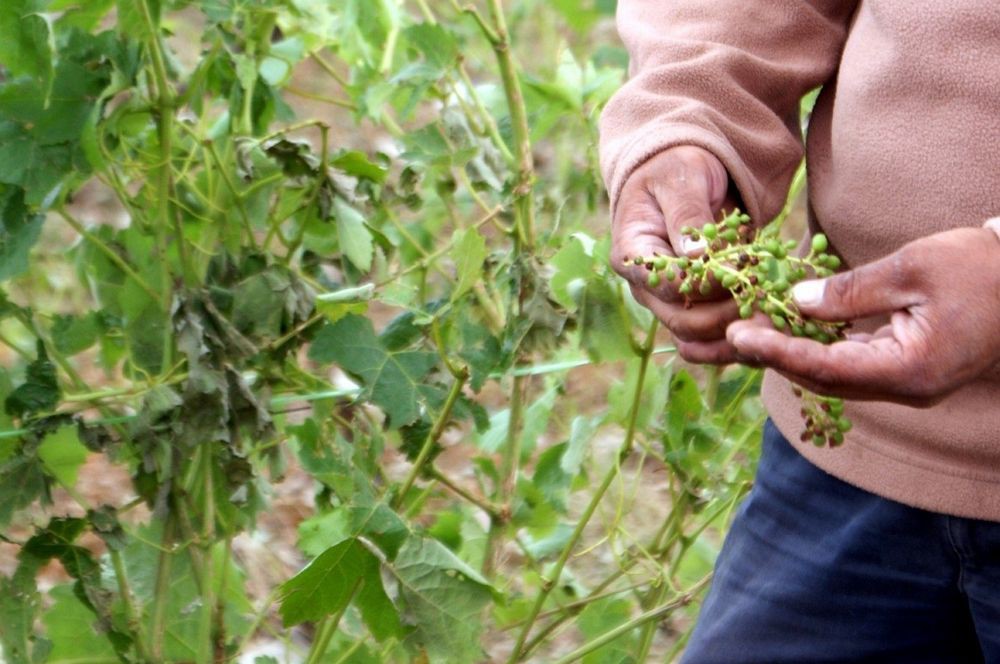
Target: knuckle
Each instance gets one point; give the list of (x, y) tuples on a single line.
[(846, 287), (905, 267), (686, 208)]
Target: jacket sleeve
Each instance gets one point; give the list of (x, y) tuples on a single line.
[(724, 75)]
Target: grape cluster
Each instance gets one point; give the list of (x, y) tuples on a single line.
[(759, 269)]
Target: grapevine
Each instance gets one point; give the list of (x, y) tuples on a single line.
[(759, 269)]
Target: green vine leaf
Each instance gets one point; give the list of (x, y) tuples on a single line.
[(355, 238), (393, 379), (19, 604), (72, 629), (444, 597), (19, 231), (469, 253), (62, 454), (327, 585), (25, 46)]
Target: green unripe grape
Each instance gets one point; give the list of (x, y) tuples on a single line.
[(772, 247), (832, 262), (730, 235), (810, 329), (685, 288), (823, 272), (767, 307), (697, 267), (779, 321), (780, 286), (836, 408), (719, 274), (843, 424), (732, 222), (796, 330), (653, 280), (781, 251), (705, 287), (819, 243), (669, 274), (746, 310), (836, 438), (710, 231), (818, 440), (790, 244), (729, 280), (798, 274), (660, 262), (683, 262)]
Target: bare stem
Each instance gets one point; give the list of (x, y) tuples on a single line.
[(595, 500), (432, 437)]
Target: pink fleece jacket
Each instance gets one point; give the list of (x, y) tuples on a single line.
[(904, 142)]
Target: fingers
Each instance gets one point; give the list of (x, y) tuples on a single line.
[(703, 321), (887, 285), (689, 189), (707, 352), (854, 369), (700, 331), (680, 186)]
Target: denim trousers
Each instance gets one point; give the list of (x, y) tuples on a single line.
[(817, 570)]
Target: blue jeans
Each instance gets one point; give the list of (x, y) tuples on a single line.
[(816, 570)]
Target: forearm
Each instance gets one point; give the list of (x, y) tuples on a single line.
[(726, 77)]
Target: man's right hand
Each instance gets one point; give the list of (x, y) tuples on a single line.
[(681, 186)]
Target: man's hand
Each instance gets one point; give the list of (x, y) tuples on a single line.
[(943, 295), (682, 186)]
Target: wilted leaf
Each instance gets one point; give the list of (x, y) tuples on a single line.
[(40, 390)]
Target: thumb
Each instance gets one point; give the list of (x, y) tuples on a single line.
[(881, 287), (690, 189)]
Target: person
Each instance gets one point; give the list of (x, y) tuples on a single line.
[(886, 548)]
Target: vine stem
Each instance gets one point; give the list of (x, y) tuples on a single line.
[(609, 476), (432, 437), (111, 255), (131, 615), (206, 641), (328, 627), (164, 125), (524, 200), (565, 612), (639, 620), (509, 463), (162, 590), (493, 511)]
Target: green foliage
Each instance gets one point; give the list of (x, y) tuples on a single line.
[(213, 282), (393, 378)]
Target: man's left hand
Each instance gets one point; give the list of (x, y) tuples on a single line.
[(942, 293)]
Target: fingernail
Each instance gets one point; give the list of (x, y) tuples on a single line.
[(809, 293), (689, 246)]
